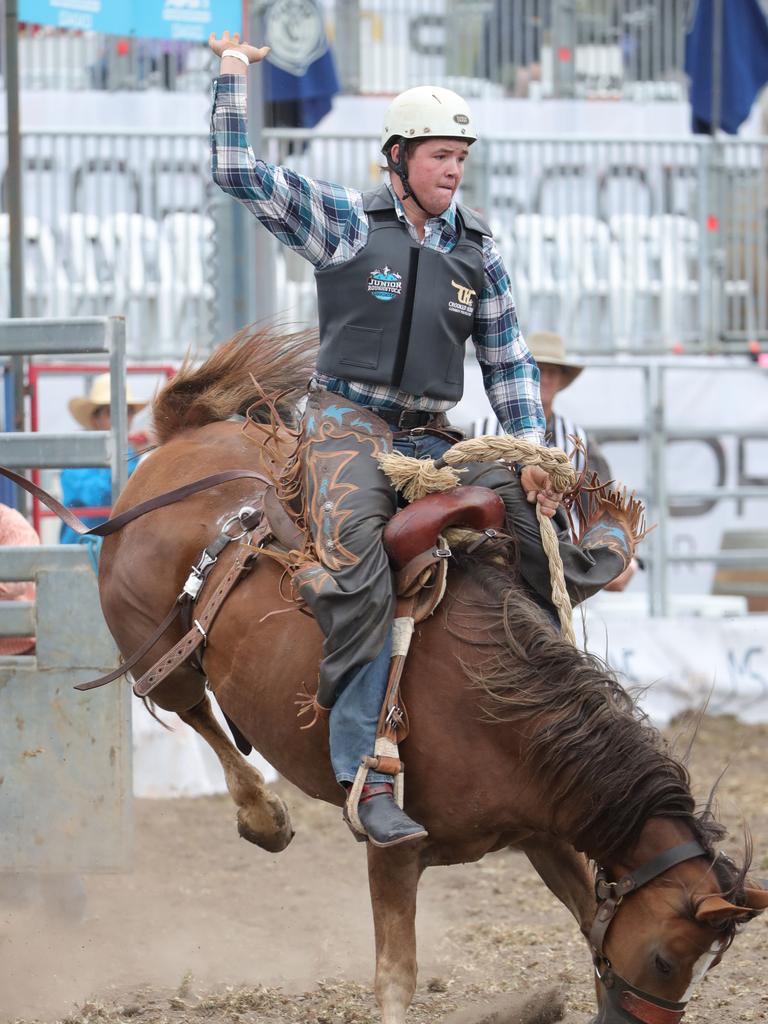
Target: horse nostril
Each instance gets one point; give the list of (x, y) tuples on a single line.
[(662, 966)]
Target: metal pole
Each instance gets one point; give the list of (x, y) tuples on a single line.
[(260, 285), (564, 39), (657, 488), (717, 65), (348, 43), (15, 211), (14, 160), (118, 409)]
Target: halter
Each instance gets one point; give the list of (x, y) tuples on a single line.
[(623, 1001)]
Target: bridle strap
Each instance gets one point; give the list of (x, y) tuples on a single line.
[(119, 521), (663, 862), (649, 1013), (610, 894), (626, 1003)]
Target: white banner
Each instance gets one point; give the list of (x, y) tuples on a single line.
[(697, 398), (685, 663)]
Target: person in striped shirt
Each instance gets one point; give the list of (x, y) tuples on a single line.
[(404, 275), (558, 371)]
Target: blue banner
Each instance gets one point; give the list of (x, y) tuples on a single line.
[(145, 19), (299, 74), (744, 65)]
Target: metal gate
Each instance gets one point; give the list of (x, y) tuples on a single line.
[(65, 757)]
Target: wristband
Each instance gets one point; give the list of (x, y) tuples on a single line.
[(236, 53)]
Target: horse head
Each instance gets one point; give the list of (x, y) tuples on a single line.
[(663, 920)]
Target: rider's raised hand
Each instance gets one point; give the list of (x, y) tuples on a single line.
[(227, 42), (538, 489)]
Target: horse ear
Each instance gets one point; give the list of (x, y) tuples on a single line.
[(715, 911), (757, 899)]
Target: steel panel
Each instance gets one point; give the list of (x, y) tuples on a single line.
[(65, 757), (26, 336), (56, 451), (17, 618)]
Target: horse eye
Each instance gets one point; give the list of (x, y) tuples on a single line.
[(662, 966)]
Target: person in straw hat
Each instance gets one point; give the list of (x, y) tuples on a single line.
[(557, 371), (91, 487)]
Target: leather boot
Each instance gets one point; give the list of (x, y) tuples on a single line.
[(385, 822)]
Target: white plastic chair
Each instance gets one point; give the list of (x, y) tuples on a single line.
[(534, 277), (90, 276), (132, 244), (186, 292), (676, 242), (585, 252), (45, 283), (635, 278)]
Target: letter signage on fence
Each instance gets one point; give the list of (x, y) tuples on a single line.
[(146, 19)]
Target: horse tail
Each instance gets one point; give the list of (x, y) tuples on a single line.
[(251, 365)]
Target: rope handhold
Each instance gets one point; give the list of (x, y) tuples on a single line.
[(415, 478)]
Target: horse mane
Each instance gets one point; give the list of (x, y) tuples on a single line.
[(255, 363), (584, 733)]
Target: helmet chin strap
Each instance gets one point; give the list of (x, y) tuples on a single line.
[(400, 168)]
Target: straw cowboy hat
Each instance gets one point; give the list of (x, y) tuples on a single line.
[(547, 347), (83, 409)]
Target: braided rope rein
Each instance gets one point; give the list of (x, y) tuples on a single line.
[(416, 478)]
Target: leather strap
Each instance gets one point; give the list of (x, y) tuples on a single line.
[(159, 501), (199, 632), (410, 575), (145, 648), (610, 894), (385, 765), (283, 526), (648, 1013)]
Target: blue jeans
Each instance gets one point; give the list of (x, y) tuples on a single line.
[(355, 714)]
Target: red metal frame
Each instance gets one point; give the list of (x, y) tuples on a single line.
[(37, 370)]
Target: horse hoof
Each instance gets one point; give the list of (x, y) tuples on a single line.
[(274, 840)]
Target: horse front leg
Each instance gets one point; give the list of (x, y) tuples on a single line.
[(262, 817), (566, 873), (393, 877)]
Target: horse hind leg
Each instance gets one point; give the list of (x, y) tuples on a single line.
[(262, 817)]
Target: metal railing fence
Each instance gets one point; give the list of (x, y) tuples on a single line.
[(634, 245), (647, 445), (52, 58), (81, 742), (657, 432), (119, 223), (538, 48)]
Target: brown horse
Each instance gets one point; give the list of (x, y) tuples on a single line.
[(517, 738)]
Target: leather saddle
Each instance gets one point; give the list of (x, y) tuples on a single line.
[(413, 530)]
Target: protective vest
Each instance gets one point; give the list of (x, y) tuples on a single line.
[(399, 314)]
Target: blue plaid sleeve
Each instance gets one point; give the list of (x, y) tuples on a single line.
[(510, 373), (315, 218)]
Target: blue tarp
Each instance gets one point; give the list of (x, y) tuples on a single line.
[(744, 65)]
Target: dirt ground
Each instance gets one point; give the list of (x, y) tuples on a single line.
[(210, 929)]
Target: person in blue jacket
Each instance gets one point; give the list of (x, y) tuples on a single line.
[(91, 486)]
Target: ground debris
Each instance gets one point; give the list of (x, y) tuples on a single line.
[(243, 937)]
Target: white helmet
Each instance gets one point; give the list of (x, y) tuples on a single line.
[(427, 110)]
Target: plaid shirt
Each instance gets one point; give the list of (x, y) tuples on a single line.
[(326, 224)]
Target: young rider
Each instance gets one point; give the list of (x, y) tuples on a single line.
[(404, 274)]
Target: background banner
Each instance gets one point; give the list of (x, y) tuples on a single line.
[(147, 19)]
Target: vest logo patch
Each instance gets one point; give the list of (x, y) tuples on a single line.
[(385, 284), (465, 296)]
